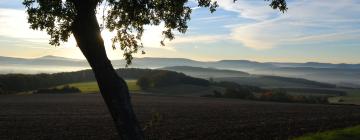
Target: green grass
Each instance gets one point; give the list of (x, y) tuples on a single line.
[(351, 133), (352, 97), (92, 87), (353, 92)]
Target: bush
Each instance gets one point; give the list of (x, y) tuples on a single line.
[(65, 89), (239, 92), (279, 96), (282, 96), (217, 94), (232, 85), (316, 99), (144, 83)]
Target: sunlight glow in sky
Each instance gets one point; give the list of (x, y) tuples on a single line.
[(311, 30)]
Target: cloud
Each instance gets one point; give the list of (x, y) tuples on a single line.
[(306, 21), (153, 35), (198, 39), (254, 9), (212, 18), (13, 23)]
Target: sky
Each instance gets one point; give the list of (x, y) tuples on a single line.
[(310, 31)]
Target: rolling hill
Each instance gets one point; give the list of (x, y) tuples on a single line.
[(206, 73), (340, 74), (244, 78)]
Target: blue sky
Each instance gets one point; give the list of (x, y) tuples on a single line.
[(311, 30)]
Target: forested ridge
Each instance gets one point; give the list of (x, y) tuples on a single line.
[(11, 83)]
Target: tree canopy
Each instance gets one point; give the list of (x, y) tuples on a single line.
[(125, 17)]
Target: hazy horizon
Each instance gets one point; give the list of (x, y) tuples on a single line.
[(246, 30), (115, 59)]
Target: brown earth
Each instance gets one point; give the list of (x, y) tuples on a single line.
[(84, 116)]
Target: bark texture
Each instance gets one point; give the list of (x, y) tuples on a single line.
[(113, 88)]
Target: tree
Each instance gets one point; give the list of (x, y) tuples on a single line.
[(1, 89), (143, 82), (61, 18), (238, 92)]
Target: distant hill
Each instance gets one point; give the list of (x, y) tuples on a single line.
[(153, 62), (206, 72), (343, 74), (276, 82), (318, 65), (244, 78)]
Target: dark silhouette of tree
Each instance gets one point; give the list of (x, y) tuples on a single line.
[(127, 18), (164, 78), (143, 82), (2, 91)]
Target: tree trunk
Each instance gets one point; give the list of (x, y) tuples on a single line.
[(113, 88)]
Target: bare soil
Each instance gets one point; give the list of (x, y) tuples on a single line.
[(85, 116)]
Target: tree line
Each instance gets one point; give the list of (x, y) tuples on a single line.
[(13, 83), (234, 90), (163, 78)]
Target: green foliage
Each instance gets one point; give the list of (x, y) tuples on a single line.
[(64, 89), (351, 133), (126, 17)]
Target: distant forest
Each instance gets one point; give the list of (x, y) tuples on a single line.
[(12, 83), (163, 78)]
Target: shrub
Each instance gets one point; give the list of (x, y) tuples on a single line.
[(282, 96), (238, 92), (65, 89), (143, 82), (217, 94), (279, 96), (317, 99), (227, 84)]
